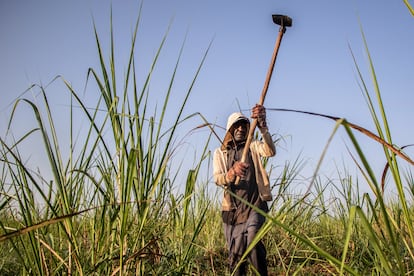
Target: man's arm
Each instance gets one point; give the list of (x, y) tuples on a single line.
[(221, 175), (219, 168), (266, 147)]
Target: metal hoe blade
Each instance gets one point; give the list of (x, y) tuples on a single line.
[(282, 20)]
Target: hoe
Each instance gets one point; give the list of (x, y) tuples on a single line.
[(284, 21)]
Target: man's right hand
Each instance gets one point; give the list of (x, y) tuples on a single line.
[(239, 169)]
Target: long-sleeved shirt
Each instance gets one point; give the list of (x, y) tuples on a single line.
[(258, 149)]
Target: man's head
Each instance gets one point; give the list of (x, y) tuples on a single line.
[(237, 128)]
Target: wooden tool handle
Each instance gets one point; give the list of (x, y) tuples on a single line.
[(253, 124)]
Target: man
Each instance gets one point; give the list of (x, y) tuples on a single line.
[(241, 222)]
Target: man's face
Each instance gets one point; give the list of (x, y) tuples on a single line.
[(240, 131)]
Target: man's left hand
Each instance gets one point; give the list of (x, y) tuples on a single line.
[(259, 113)]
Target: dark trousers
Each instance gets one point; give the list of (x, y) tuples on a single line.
[(239, 237)]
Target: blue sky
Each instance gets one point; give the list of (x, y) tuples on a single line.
[(314, 70)]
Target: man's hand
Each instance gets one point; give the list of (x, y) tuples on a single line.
[(239, 169), (259, 113)]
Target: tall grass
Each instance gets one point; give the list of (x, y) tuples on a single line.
[(365, 234), (111, 204)]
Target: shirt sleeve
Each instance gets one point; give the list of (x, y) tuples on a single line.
[(219, 168), (265, 147)]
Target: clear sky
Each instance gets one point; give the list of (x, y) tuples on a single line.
[(314, 70)]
